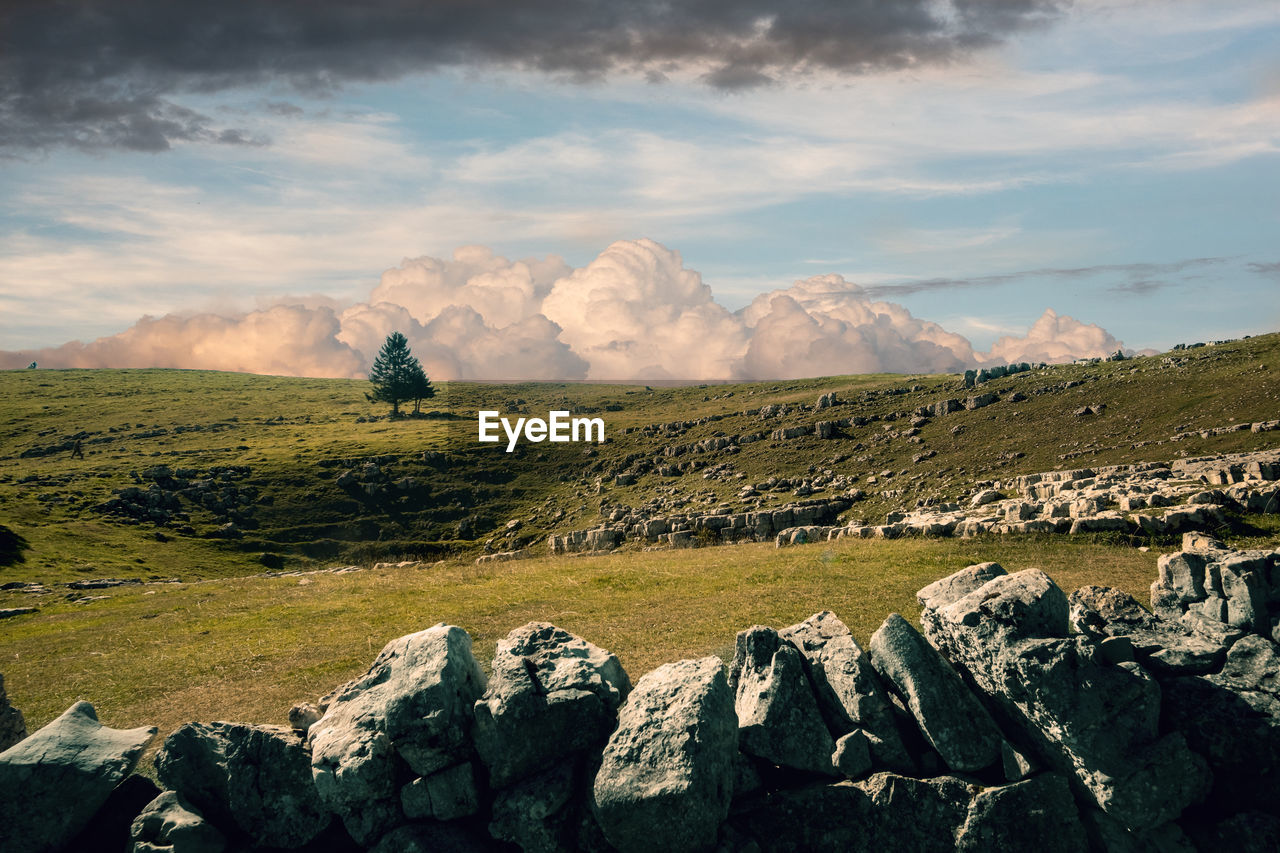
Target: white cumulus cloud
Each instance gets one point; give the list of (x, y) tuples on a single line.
[(634, 312)]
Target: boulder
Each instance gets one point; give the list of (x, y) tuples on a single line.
[(948, 714), (1228, 587), (1083, 715), (778, 717), (848, 691), (952, 588), (799, 820), (1037, 815), (169, 824), (54, 781), (550, 696), (255, 779), (1161, 646), (13, 727), (666, 777), (414, 705)]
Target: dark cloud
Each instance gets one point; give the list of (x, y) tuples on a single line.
[(1270, 269), (1142, 277), (100, 74)]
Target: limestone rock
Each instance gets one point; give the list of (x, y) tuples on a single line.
[(550, 695), (948, 714), (1162, 646), (954, 587), (914, 814), (545, 813), (1038, 815), (170, 825), (778, 717), (847, 688), (56, 779), (253, 778), (303, 716), (444, 795), (852, 756), (666, 778), (13, 727), (414, 704), (1084, 716)]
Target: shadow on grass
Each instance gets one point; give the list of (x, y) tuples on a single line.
[(11, 547)]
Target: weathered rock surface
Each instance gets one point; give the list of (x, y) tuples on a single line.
[(914, 814), (249, 778), (848, 691), (413, 705), (778, 717), (1082, 714), (1034, 816), (666, 779), (1160, 645), (948, 714), (55, 780), (550, 695), (170, 825), (13, 727)]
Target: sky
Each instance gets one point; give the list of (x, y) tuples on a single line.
[(569, 189)]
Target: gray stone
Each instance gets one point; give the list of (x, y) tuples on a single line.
[(1162, 646), (950, 717), (1095, 721), (667, 774), (550, 695), (170, 825), (414, 704), (56, 779), (778, 717), (914, 814), (444, 795), (852, 756), (13, 727), (254, 778), (956, 586), (1038, 815), (1017, 766), (848, 691), (542, 813)]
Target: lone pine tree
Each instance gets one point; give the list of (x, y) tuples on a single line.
[(397, 376)]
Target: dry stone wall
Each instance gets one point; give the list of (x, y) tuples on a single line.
[(1017, 718)]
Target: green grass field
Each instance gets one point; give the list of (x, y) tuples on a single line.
[(230, 644)]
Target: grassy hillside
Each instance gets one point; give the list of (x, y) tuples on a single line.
[(285, 462), (266, 454)]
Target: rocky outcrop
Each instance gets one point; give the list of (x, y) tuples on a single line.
[(1019, 719), (56, 780)]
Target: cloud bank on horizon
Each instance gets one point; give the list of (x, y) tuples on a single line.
[(634, 312)]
